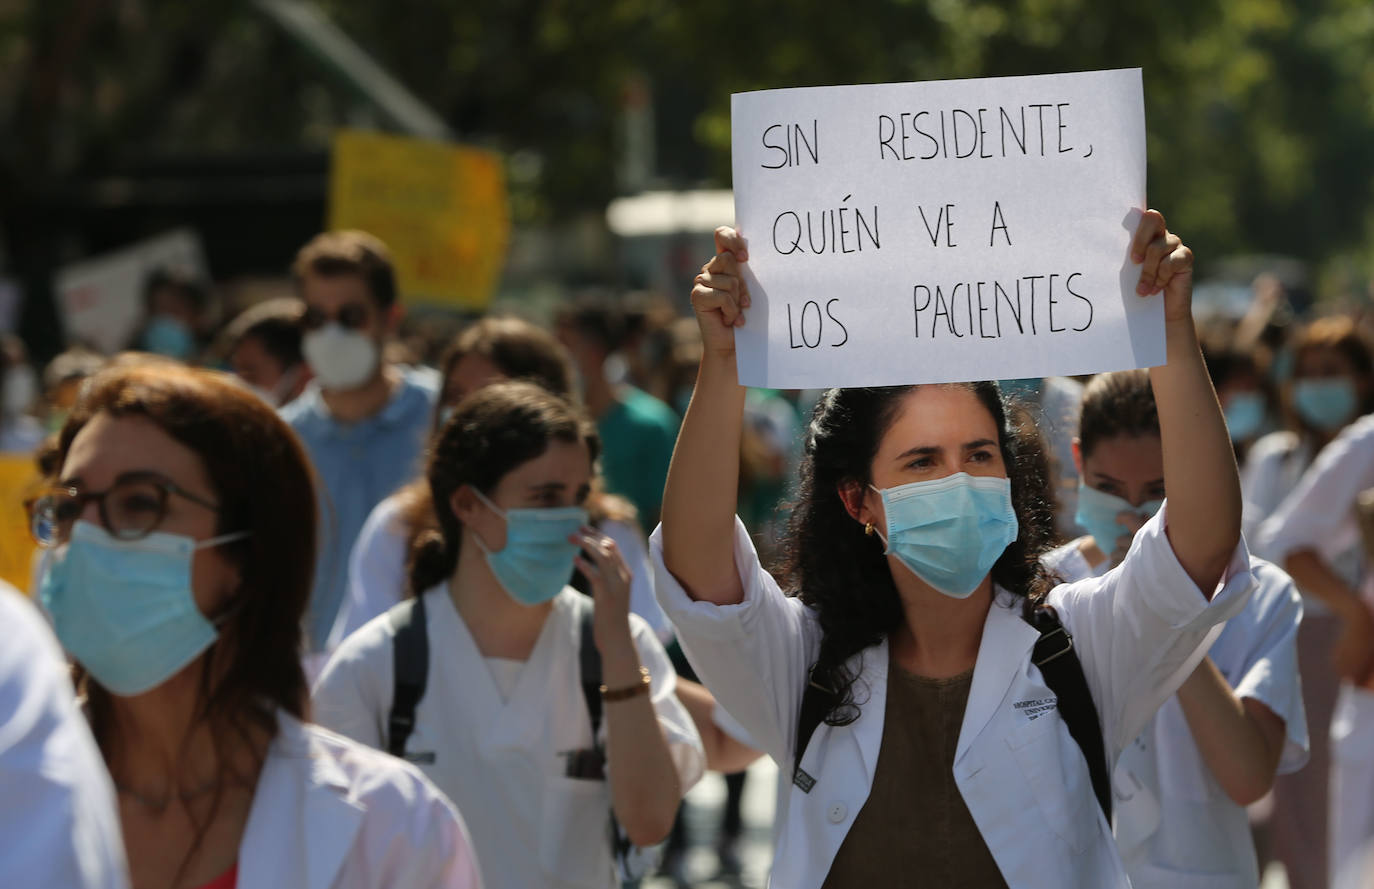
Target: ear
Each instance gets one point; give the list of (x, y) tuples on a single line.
[(854, 496), (465, 504), (1078, 456)]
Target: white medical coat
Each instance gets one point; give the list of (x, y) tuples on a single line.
[(329, 813), (1175, 826), (500, 761), (1138, 631), (59, 825)]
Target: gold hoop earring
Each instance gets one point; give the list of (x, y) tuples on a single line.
[(868, 529)]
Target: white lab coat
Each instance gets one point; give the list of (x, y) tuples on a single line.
[(377, 572), (1138, 632), (59, 825), (1352, 778), (502, 761), (1175, 826), (329, 813), (1273, 467), (1319, 514)]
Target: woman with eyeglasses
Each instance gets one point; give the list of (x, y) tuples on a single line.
[(182, 528)]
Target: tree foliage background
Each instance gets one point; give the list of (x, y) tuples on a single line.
[(1260, 112)]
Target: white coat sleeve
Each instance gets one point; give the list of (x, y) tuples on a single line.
[(58, 820), (376, 571), (753, 656), (1141, 628), (684, 743), (1271, 663), (1319, 508), (353, 694)]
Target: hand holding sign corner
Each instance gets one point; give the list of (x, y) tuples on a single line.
[(720, 294)]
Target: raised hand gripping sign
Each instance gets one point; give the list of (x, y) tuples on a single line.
[(942, 232)]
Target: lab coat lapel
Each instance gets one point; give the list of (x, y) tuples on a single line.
[(1002, 657), (302, 823), (556, 645), (475, 688), (868, 729)]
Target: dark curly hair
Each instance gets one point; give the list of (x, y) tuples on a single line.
[(835, 568)]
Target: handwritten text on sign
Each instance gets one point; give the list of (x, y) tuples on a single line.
[(943, 231)]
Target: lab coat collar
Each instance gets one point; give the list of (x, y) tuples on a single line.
[(1003, 656), (871, 666), (303, 821)]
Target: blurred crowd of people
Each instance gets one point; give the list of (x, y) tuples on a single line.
[(444, 460)]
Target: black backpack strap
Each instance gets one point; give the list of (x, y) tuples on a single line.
[(589, 662), (815, 704), (410, 658), (1054, 654)]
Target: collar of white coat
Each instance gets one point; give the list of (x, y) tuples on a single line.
[(1003, 657), (303, 820)]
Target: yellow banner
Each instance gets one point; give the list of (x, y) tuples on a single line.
[(18, 480), (441, 208)]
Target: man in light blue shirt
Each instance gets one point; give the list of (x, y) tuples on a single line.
[(363, 421)]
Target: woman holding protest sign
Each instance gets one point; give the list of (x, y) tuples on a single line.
[(935, 720)]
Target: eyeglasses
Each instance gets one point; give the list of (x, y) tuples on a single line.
[(130, 509), (353, 316)]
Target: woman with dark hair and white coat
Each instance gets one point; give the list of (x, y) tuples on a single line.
[(913, 556)]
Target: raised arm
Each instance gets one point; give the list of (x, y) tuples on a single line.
[(1199, 462), (700, 496)]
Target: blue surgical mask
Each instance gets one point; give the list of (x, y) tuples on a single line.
[(950, 531), (1244, 415), (1325, 403), (124, 608), (168, 336), (537, 560), (1097, 512)]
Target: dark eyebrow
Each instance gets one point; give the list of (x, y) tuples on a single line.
[(549, 487), (980, 443), (1106, 477)]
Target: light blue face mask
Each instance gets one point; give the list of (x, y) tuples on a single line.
[(1097, 512), (1326, 403), (1244, 415), (950, 531), (537, 560), (165, 335), (124, 608)]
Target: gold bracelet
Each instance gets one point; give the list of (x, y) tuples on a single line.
[(621, 694)]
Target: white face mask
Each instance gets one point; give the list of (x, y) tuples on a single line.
[(340, 358)]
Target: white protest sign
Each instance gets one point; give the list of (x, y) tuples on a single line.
[(101, 298), (942, 232)]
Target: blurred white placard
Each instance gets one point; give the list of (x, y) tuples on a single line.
[(101, 298), (942, 231)]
